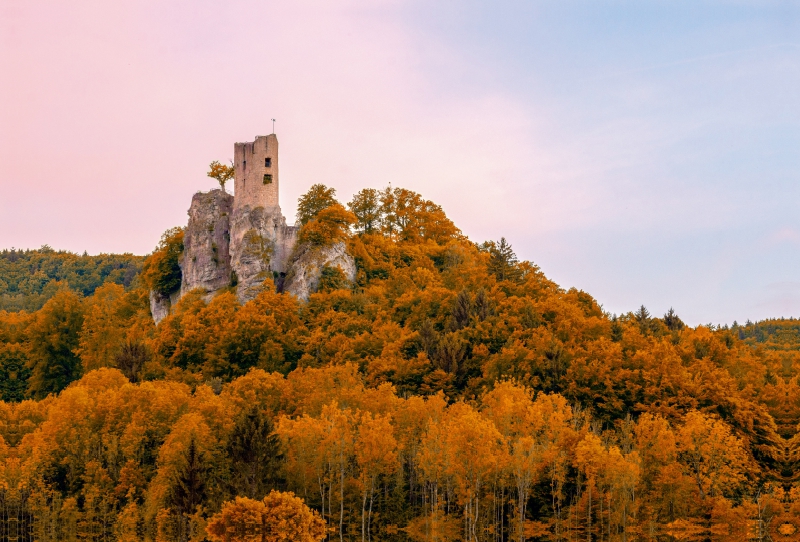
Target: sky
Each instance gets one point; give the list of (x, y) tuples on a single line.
[(646, 152)]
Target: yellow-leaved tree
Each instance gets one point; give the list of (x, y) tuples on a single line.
[(376, 455), (221, 173), (712, 455), (330, 225), (279, 517)]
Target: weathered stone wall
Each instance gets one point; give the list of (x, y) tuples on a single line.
[(252, 161), (261, 242), (206, 259), (284, 246)]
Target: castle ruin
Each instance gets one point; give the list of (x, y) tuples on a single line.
[(256, 173), (261, 241), (241, 240)]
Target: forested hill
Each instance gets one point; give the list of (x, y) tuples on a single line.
[(28, 278), (773, 333), (450, 393)]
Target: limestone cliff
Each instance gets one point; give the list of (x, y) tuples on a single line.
[(260, 244), (307, 264), (242, 240), (206, 260), (160, 305)]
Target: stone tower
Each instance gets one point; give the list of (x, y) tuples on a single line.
[(256, 173), (261, 241)]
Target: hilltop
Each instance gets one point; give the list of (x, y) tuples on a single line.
[(444, 387)]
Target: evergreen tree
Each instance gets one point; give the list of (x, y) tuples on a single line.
[(31, 277), (428, 338), (450, 353), (616, 329), (674, 323), (642, 317), (502, 260), (482, 308), (462, 309), (189, 488), (255, 455), (13, 373)]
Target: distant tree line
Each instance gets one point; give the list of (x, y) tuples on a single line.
[(28, 278)]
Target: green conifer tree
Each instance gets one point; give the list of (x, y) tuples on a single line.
[(502, 260), (189, 489), (462, 309), (254, 453), (14, 373)]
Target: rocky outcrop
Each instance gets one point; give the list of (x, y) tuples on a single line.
[(307, 264), (244, 247), (260, 244), (243, 240), (160, 305), (206, 259)]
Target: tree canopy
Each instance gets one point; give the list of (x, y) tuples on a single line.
[(28, 278), (453, 392), (221, 173), (318, 198)]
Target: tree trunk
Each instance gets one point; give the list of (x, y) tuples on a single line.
[(363, 515), (371, 498), (341, 504), (589, 515)]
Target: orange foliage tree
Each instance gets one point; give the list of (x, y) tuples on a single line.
[(279, 517)]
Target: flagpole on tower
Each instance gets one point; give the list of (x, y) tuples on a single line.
[(273, 126)]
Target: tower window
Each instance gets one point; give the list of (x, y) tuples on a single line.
[(267, 162), (267, 178), (245, 164)]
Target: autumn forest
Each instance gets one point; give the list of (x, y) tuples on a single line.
[(451, 393)]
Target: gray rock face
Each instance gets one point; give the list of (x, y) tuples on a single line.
[(307, 265), (206, 260), (160, 305), (260, 244)]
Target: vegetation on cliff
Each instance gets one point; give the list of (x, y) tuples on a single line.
[(161, 272), (450, 393)]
